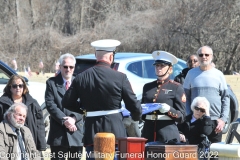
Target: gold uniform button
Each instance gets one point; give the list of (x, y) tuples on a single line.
[(159, 86), (155, 95), (154, 100), (157, 90)]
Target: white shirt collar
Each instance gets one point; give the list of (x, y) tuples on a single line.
[(64, 80), (193, 119)]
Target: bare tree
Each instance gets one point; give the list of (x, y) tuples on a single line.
[(43, 30)]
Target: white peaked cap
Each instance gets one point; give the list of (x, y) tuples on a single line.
[(164, 57), (105, 45)]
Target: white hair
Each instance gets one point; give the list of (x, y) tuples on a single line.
[(65, 56), (202, 100), (12, 109), (8, 115), (199, 51)]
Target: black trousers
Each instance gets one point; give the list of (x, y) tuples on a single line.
[(214, 138), (62, 153)]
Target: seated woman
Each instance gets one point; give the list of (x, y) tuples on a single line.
[(198, 125)]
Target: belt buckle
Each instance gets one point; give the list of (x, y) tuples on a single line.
[(154, 117), (84, 113)]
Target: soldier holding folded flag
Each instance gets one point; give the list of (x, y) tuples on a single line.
[(160, 125)]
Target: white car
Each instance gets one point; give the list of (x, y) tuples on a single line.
[(36, 89)]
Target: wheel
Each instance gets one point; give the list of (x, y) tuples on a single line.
[(46, 119)]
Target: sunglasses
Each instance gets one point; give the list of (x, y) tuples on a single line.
[(199, 109), (19, 85), (193, 61), (66, 67), (201, 55)]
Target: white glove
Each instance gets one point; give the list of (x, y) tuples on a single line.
[(165, 108)]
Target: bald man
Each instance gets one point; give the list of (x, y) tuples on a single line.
[(207, 81)]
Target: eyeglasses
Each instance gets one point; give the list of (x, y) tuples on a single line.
[(201, 55), (15, 86), (66, 67), (199, 109)]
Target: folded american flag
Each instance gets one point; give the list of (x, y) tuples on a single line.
[(146, 108)]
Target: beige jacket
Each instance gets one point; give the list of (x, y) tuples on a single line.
[(8, 143)]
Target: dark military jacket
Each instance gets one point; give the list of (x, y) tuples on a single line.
[(171, 93), (102, 88)]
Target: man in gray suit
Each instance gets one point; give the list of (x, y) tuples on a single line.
[(66, 127)]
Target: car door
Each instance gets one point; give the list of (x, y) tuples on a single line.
[(4, 78)]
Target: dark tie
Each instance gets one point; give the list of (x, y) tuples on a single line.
[(67, 85), (20, 141)]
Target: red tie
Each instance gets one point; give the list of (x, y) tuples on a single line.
[(67, 85)]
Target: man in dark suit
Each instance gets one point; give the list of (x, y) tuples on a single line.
[(66, 127), (101, 90)]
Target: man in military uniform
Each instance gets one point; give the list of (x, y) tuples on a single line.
[(101, 90), (160, 125)]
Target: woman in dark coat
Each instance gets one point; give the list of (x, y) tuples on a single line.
[(16, 91), (160, 125), (198, 126)]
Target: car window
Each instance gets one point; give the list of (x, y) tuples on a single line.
[(3, 77), (177, 68), (82, 65), (135, 68), (149, 69)]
